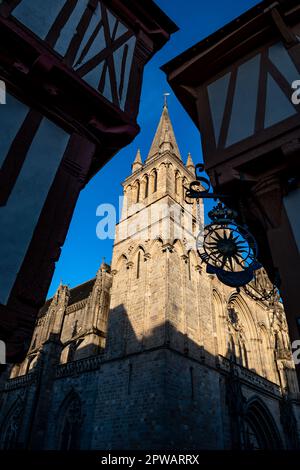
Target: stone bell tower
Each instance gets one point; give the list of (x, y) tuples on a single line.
[(157, 273), (160, 323)]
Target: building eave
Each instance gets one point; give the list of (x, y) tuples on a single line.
[(152, 19), (255, 20), (227, 45)]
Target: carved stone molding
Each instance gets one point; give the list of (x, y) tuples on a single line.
[(77, 306), (168, 247)]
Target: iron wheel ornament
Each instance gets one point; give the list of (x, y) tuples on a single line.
[(228, 246), (228, 249)]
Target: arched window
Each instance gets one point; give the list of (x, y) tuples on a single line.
[(241, 327), (139, 265), (71, 422), (154, 181), (177, 176), (146, 186), (137, 191), (260, 429)]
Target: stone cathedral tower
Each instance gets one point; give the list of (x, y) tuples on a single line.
[(156, 272), (154, 353)]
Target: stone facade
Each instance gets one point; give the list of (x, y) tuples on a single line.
[(154, 353)]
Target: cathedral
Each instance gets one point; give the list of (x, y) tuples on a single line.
[(154, 352)]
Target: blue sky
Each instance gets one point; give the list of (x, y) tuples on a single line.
[(82, 252)]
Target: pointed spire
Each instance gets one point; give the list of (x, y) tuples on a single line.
[(164, 137), (190, 164), (137, 164)]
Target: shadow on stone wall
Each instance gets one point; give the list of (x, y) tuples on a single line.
[(184, 377)]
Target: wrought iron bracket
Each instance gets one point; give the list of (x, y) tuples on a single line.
[(200, 188)]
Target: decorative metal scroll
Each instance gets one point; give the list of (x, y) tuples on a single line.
[(200, 188)]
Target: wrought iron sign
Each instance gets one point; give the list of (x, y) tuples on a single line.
[(228, 248)]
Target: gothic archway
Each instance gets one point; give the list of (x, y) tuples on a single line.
[(259, 428), (70, 417), (11, 426), (241, 333)]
